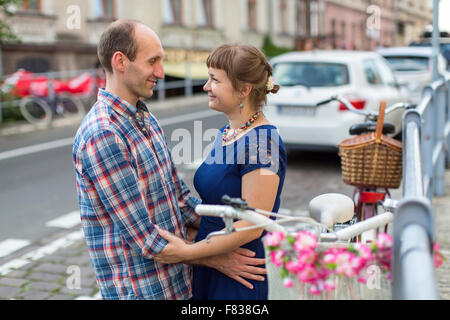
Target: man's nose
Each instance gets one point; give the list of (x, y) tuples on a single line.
[(159, 71)]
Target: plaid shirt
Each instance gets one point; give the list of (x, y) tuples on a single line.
[(127, 183)]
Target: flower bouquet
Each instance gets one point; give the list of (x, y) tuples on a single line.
[(299, 267)]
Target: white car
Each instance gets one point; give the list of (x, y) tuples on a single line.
[(306, 78), (413, 67)]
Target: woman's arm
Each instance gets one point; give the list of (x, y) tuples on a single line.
[(259, 189)]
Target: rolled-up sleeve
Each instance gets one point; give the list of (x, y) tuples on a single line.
[(106, 163)]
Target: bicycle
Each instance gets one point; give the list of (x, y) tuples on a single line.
[(367, 198), (43, 110), (331, 208)]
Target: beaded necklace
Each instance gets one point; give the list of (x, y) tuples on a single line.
[(228, 136)]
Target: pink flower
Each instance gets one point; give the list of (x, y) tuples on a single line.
[(307, 257), (364, 251), (305, 240), (277, 257), (308, 274), (344, 265), (314, 289), (273, 239), (288, 282), (293, 266), (438, 256), (383, 241)]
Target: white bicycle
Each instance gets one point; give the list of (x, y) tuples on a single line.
[(330, 220)]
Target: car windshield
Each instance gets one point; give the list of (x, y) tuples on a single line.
[(408, 63), (311, 74)]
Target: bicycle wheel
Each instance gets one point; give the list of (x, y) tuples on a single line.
[(70, 106), (36, 110)]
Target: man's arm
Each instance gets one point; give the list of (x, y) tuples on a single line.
[(105, 162)]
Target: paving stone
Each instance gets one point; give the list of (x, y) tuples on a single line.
[(78, 292), (43, 286), (51, 268), (13, 282), (7, 292), (61, 297), (34, 295), (17, 274), (42, 276)]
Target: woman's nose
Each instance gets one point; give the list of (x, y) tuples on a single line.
[(206, 87)]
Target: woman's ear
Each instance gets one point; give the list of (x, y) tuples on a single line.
[(246, 89)]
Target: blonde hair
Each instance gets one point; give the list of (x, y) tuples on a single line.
[(244, 64)]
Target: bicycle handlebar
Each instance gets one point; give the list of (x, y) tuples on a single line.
[(399, 105), (228, 212)]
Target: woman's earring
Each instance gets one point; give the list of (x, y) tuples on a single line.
[(241, 105)]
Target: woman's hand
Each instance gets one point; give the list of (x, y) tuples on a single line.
[(176, 249)]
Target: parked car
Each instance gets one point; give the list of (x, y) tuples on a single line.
[(306, 78), (413, 67), (444, 47)]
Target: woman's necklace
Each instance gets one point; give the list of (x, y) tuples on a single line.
[(229, 134)]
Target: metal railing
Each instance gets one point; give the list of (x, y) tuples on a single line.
[(425, 150)]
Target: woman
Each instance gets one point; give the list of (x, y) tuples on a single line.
[(248, 160)]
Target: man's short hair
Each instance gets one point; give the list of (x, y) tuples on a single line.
[(119, 36)]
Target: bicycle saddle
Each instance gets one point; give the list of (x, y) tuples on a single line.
[(370, 126), (331, 208)]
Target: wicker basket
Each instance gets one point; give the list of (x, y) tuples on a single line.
[(372, 159)]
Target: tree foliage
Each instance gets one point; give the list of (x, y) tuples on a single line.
[(5, 30), (271, 50)]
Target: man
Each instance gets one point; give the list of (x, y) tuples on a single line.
[(127, 183)]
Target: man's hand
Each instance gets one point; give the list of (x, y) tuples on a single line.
[(239, 264)]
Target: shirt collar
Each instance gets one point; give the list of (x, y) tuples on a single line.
[(120, 105)]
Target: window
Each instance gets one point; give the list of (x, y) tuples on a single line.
[(252, 13), (173, 12), (311, 74), (283, 16), (103, 9), (301, 18), (206, 13), (32, 5), (371, 72), (387, 77), (314, 20)]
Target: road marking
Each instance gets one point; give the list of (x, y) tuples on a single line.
[(8, 246), (36, 148), (43, 251), (69, 141), (188, 117), (194, 165), (66, 221)]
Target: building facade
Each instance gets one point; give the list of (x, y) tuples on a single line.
[(63, 34)]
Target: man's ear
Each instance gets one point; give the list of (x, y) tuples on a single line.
[(119, 61)]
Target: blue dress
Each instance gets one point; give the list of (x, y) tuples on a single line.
[(221, 174)]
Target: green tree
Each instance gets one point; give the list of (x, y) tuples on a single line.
[(5, 31), (271, 50)]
